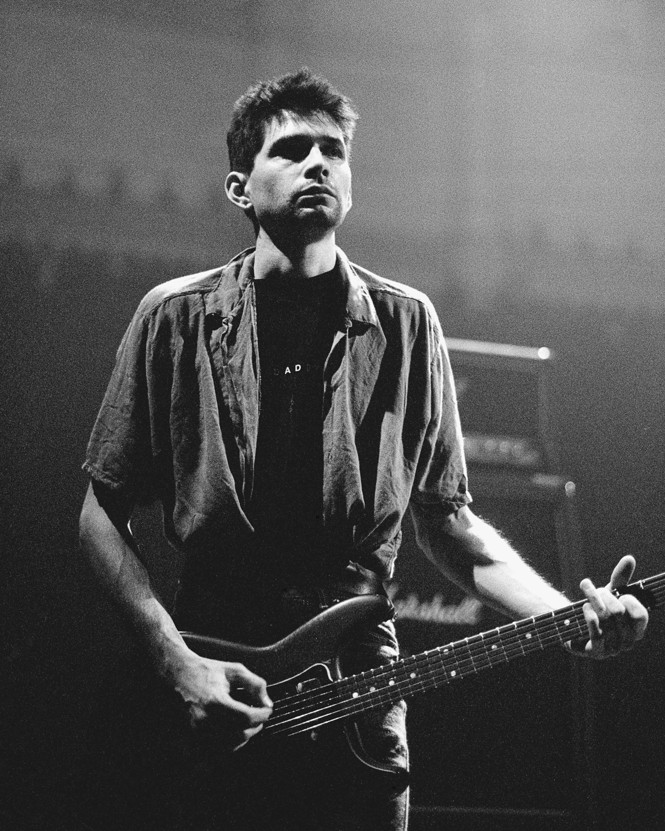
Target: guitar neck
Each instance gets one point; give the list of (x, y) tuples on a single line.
[(444, 665)]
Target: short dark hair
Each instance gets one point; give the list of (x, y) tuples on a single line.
[(298, 93)]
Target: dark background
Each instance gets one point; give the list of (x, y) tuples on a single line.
[(508, 161)]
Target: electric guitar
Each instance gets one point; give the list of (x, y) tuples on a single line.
[(304, 680)]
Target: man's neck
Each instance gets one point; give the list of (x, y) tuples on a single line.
[(300, 260)]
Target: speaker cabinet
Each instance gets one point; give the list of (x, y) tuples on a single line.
[(505, 748)]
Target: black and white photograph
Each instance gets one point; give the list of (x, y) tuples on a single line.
[(332, 473)]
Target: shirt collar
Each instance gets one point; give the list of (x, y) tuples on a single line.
[(238, 275), (359, 305), (234, 279)]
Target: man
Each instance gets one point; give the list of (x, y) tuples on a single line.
[(287, 409)]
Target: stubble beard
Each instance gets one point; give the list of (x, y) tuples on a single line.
[(305, 225)]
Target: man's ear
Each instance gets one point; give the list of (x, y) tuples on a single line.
[(235, 190)]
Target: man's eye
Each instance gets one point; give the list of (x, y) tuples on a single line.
[(294, 149), (334, 150)]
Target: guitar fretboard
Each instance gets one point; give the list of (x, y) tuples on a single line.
[(444, 665)]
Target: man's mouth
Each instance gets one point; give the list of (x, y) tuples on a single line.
[(317, 190)]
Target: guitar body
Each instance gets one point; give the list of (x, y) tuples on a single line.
[(306, 661), (316, 642)]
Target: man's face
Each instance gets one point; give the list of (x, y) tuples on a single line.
[(301, 179)]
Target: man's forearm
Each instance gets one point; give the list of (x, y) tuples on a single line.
[(475, 556), (205, 686), (124, 578), (513, 587)]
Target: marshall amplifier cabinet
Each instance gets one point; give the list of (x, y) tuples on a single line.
[(504, 748), (502, 397)]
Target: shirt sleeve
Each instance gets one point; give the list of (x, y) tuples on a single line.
[(122, 447), (440, 485)]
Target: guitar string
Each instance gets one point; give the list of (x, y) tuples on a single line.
[(466, 663), (441, 653), (444, 665), (349, 708), (427, 677), (469, 649), (430, 674), (542, 624)]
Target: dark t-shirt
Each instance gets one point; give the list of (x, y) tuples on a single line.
[(296, 320)]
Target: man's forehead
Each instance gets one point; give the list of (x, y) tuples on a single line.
[(315, 124)]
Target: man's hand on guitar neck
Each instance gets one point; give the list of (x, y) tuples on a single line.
[(226, 703), (474, 555), (615, 622)]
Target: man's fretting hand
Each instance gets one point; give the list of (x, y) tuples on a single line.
[(614, 623)]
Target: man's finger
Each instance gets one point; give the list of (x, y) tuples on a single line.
[(593, 622), (636, 618), (244, 737), (593, 597), (245, 715), (251, 686), (623, 571)]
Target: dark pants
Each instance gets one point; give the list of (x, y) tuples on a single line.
[(300, 784)]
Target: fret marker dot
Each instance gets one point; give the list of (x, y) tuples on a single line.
[(528, 636), (413, 675), (391, 682), (355, 694), (494, 646), (454, 673), (567, 622), (372, 689)]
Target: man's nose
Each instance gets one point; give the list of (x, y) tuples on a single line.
[(317, 163)]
